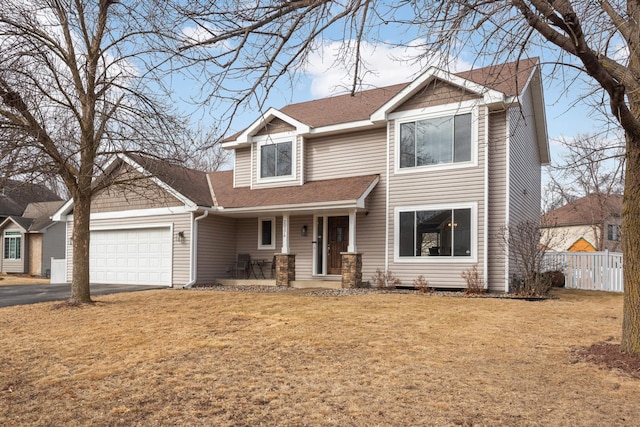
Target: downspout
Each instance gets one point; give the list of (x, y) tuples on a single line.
[(507, 255), (194, 250), (386, 209), (486, 199)]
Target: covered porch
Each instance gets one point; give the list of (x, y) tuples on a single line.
[(310, 240)]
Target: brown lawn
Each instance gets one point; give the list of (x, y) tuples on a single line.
[(240, 359), (14, 279)]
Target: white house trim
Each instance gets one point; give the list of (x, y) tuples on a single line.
[(247, 137), (436, 259), (489, 95)]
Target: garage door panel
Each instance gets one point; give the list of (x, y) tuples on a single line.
[(136, 256)]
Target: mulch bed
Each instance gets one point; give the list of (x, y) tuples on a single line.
[(608, 356)]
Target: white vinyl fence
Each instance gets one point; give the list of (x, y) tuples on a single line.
[(600, 271), (58, 271)]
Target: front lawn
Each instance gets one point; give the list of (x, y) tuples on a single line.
[(203, 357)]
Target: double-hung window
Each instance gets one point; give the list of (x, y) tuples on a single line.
[(436, 137), (276, 159), (12, 245), (441, 232)]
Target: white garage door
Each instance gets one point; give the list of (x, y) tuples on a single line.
[(136, 257)]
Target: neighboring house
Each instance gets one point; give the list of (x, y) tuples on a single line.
[(416, 178), (30, 241), (16, 195), (591, 223)]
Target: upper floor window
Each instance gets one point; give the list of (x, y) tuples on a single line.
[(276, 159), (435, 140)]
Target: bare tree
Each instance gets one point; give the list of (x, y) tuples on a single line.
[(80, 82), (591, 167), (596, 40)]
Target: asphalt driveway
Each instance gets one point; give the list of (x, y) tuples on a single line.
[(31, 294)]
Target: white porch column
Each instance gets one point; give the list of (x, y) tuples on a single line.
[(352, 232), (285, 234)]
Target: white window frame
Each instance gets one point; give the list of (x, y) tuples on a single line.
[(12, 234), (449, 110), (272, 246), (276, 139), (436, 259)]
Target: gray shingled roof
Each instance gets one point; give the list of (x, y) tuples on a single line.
[(16, 195)]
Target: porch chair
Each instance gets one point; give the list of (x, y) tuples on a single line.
[(242, 266)]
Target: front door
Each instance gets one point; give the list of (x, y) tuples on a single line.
[(337, 242)]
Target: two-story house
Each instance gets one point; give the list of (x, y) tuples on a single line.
[(417, 178)]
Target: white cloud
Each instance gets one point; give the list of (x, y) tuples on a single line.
[(203, 33), (384, 65)]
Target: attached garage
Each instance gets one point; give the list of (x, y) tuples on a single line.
[(140, 256)]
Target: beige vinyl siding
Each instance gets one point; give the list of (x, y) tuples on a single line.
[(53, 244), (352, 154), (524, 160), (497, 199), (355, 154), (181, 249), (137, 194), (524, 166), (301, 246), (439, 187), (14, 265), (216, 248), (247, 238), (267, 183), (242, 170), (436, 93), (276, 125), (370, 232)]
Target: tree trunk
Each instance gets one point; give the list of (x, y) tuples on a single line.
[(80, 292), (631, 248)]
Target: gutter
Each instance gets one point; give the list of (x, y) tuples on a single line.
[(194, 250)]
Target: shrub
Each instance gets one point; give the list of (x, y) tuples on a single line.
[(556, 277), (422, 285), (475, 284), (385, 279), (530, 285)]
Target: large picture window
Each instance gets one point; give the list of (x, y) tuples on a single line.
[(435, 233), (12, 245), (435, 140), (276, 159)]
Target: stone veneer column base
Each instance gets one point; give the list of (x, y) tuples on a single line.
[(285, 269), (351, 269)]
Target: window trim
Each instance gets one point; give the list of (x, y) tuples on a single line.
[(272, 246), (8, 235), (465, 107), (436, 259), (276, 139)]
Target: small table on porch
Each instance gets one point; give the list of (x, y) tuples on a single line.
[(257, 268)]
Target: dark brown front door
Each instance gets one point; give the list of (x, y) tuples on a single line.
[(338, 241)]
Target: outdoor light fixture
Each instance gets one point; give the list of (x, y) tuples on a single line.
[(181, 236), (303, 231)]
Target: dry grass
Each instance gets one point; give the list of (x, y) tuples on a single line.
[(219, 358), (14, 279)]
